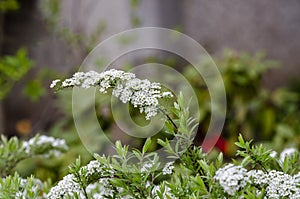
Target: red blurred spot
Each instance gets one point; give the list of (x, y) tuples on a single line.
[(220, 144)]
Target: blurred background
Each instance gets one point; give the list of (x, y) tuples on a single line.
[(254, 43)]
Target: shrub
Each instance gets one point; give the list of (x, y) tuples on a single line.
[(257, 172)]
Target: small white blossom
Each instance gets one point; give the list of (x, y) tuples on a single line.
[(232, 178), (146, 167), (168, 168), (167, 94), (287, 152), (54, 82), (273, 154)]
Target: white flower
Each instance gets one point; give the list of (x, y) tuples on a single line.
[(277, 183), (168, 168), (95, 167), (54, 82), (273, 154), (281, 185), (142, 94), (146, 167), (232, 178), (56, 146), (257, 177), (287, 152), (66, 187), (102, 187)]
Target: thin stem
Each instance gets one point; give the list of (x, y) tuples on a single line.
[(82, 186), (169, 118)]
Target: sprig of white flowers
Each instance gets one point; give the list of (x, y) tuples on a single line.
[(142, 94), (45, 145), (276, 183), (68, 186)]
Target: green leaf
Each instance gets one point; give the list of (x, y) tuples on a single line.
[(146, 146)]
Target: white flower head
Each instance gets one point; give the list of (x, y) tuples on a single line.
[(142, 94), (54, 83), (281, 185), (168, 168), (287, 152), (66, 187), (277, 183), (232, 178), (273, 154), (55, 146)]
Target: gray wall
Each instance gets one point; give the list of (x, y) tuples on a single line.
[(269, 25)]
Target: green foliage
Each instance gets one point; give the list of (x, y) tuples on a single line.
[(34, 90), (258, 113), (182, 129), (13, 151), (12, 69), (14, 186), (193, 177), (6, 5), (142, 174), (138, 173)]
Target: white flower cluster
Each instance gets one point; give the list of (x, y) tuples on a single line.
[(65, 188), (168, 168), (92, 167), (68, 187), (142, 94), (277, 184), (45, 145), (232, 178)]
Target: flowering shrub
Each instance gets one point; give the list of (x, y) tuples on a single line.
[(258, 172)]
